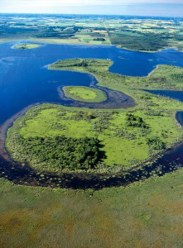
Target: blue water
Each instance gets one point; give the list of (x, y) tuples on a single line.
[(173, 94), (24, 78)]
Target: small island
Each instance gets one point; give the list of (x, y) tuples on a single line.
[(58, 139), (84, 94), (26, 46)]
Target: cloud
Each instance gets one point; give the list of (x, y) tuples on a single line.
[(61, 3), (86, 6)]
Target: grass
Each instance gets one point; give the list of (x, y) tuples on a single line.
[(84, 94), (162, 77), (145, 214), (26, 46), (124, 145)]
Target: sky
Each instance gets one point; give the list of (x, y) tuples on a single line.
[(112, 7)]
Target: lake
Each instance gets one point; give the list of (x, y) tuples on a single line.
[(25, 79)]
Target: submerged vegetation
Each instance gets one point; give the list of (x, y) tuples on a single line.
[(128, 137), (84, 94)]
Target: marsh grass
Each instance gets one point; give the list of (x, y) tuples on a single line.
[(124, 145), (84, 94)]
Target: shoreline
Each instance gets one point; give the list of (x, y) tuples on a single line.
[(115, 100), (4, 129), (25, 175), (50, 42)]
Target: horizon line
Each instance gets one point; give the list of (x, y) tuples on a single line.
[(90, 14)]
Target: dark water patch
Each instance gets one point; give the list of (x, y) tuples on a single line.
[(172, 94), (179, 117), (24, 175)]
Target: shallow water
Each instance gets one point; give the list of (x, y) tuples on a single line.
[(25, 80), (173, 94)]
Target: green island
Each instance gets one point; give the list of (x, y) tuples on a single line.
[(121, 138), (26, 46), (84, 94)]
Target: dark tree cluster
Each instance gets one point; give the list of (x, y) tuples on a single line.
[(62, 152), (140, 41), (156, 143), (136, 121)]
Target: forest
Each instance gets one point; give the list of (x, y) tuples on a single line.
[(60, 152)]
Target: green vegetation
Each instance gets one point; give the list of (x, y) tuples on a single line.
[(128, 136), (142, 34), (136, 121), (139, 41), (59, 152), (163, 77), (84, 94), (145, 214), (26, 46)]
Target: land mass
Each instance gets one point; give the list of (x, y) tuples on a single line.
[(127, 137), (134, 33), (84, 94)]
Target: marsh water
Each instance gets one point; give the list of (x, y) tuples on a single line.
[(25, 80)]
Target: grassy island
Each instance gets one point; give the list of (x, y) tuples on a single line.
[(84, 94), (124, 137), (26, 46)]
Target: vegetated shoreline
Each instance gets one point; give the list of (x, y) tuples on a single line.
[(51, 42), (23, 174), (115, 100), (99, 95), (154, 51), (25, 46), (6, 125)]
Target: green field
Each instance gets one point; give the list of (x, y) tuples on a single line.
[(141, 34), (126, 140), (84, 94)]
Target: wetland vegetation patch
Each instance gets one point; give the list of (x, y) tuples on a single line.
[(127, 137), (84, 94), (26, 46)]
